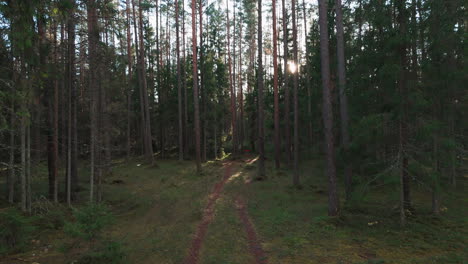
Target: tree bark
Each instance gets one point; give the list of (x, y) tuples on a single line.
[(71, 72), (144, 92), (333, 200), (241, 94), (130, 78), (275, 90), (137, 54), (261, 145), (405, 202), (296, 181), (231, 85), (11, 174), (286, 86), (23, 162), (343, 98), (195, 89), (179, 84), (28, 168), (202, 87), (184, 86), (93, 38)]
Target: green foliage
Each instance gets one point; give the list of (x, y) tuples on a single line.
[(109, 252), (15, 231), (49, 215), (90, 220)]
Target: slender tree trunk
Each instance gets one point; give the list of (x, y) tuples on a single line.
[(51, 135), (144, 91), (93, 38), (184, 87), (72, 184), (286, 86), (241, 94), (405, 203), (11, 174), (435, 180), (130, 79), (23, 163), (343, 97), (202, 87), (179, 84), (195, 88), (261, 145), (296, 181), (28, 168), (215, 149), (453, 154), (333, 201), (139, 78), (105, 112), (231, 85), (54, 120), (275, 90), (307, 83)]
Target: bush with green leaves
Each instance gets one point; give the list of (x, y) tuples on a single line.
[(49, 215), (89, 221), (15, 231), (109, 252)]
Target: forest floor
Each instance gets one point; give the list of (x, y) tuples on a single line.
[(169, 214)]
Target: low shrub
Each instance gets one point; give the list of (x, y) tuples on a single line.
[(109, 252), (49, 215), (15, 231), (90, 220)]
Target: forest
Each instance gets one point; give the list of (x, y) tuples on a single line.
[(233, 131)]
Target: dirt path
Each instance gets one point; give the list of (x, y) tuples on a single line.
[(208, 213), (254, 244)]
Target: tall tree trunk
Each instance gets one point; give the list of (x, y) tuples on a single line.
[(343, 97), (11, 174), (54, 117), (261, 145), (231, 85), (144, 91), (202, 88), (296, 99), (435, 168), (179, 84), (333, 201), (307, 83), (184, 86), (195, 89), (23, 162), (71, 72), (137, 54), (93, 38), (241, 94), (130, 78), (286, 86), (28, 168), (405, 202), (234, 76), (51, 143), (275, 90)]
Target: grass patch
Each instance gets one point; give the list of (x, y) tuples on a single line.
[(16, 230), (296, 228), (225, 240)]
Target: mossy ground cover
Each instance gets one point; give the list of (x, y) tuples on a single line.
[(156, 211), (294, 226)]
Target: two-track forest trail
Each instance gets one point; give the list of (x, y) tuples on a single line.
[(177, 216), (255, 247), (172, 215)]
